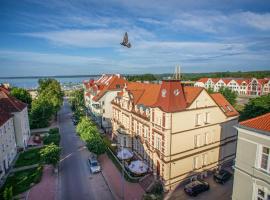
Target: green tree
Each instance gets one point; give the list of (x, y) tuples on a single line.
[(76, 99), (51, 154), (89, 133), (8, 193), (256, 107), (229, 95), (21, 94), (210, 90), (96, 145), (41, 113)]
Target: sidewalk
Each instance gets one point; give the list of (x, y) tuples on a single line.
[(133, 191), (46, 189)]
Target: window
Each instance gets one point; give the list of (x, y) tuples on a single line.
[(265, 159), (197, 139), (208, 138), (145, 132), (158, 142), (207, 118), (196, 162), (205, 158), (262, 193), (198, 120)]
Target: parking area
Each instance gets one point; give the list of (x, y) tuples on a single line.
[(217, 191)]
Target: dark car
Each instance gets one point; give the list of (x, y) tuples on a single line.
[(196, 187), (222, 176)]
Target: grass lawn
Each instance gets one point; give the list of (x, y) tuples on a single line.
[(29, 157), (21, 181)]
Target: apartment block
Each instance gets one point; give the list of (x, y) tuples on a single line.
[(98, 96), (241, 86), (252, 167), (181, 132)]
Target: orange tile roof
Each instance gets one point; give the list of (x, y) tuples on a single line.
[(225, 106), (191, 93), (144, 93), (203, 80), (260, 123)]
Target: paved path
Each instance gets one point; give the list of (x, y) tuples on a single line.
[(46, 189), (132, 191), (75, 180)]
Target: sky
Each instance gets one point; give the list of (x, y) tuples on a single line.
[(75, 37)]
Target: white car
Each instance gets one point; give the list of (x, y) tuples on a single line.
[(94, 165)]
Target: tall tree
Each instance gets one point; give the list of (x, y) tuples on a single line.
[(21, 94), (256, 107), (51, 154), (41, 113), (229, 95)]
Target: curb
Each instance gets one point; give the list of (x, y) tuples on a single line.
[(109, 186)]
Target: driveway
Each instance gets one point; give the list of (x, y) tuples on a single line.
[(75, 180), (217, 191)]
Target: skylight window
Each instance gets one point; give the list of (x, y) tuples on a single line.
[(229, 108)]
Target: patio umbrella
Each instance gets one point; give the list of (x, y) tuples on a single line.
[(138, 167), (124, 154)]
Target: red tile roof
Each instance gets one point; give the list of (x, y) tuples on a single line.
[(260, 123), (203, 80), (171, 96), (4, 116), (225, 106), (10, 104)]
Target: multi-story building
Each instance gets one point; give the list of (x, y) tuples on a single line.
[(20, 117), (252, 167), (98, 96), (180, 132), (8, 148), (241, 86)]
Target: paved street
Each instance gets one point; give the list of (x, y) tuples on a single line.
[(75, 180)]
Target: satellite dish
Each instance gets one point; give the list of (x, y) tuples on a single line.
[(125, 42)]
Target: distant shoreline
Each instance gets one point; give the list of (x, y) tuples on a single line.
[(34, 77)]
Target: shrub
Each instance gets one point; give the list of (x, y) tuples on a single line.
[(53, 138), (54, 131)]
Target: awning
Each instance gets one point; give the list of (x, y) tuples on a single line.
[(138, 167), (124, 154)]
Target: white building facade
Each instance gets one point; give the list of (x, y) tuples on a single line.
[(253, 86), (8, 149)]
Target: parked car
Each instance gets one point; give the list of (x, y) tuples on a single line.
[(94, 165), (222, 176), (196, 187)]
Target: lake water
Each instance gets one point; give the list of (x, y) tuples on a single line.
[(30, 83)]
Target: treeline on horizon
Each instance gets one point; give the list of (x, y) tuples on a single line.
[(196, 76)]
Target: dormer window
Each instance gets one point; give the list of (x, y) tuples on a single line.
[(228, 107), (176, 92), (163, 93)]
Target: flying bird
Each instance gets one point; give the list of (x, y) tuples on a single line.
[(125, 41)]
